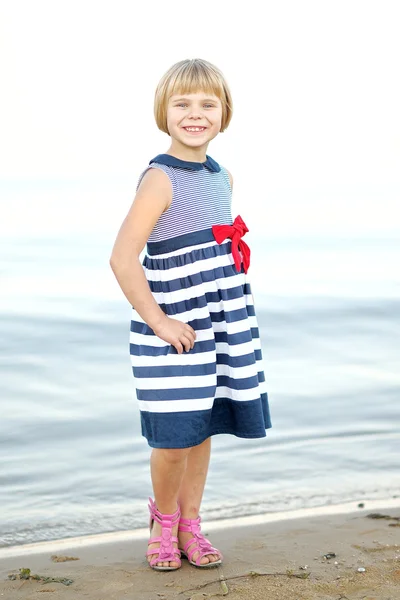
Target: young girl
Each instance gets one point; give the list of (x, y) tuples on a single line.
[(194, 340)]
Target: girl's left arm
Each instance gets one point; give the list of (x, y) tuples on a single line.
[(230, 178)]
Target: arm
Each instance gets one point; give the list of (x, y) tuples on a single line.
[(153, 197), (230, 178)]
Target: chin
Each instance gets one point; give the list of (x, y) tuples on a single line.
[(194, 142)]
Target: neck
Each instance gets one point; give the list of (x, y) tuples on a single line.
[(186, 153)]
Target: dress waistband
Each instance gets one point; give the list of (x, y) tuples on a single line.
[(217, 233), (180, 241)]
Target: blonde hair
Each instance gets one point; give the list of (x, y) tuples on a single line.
[(191, 76)]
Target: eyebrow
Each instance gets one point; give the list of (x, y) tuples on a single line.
[(188, 99)]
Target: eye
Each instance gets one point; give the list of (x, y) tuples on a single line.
[(181, 104)]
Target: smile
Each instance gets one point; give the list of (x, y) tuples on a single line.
[(194, 129)]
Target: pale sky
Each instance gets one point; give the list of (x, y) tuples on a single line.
[(314, 144)]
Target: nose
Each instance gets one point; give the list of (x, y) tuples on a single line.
[(195, 113)]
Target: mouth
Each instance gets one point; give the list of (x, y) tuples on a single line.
[(194, 129)]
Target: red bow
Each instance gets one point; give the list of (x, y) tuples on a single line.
[(235, 231)]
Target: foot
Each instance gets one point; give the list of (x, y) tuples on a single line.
[(184, 537), (156, 532)]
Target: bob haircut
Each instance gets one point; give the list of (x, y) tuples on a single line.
[(191, 76)]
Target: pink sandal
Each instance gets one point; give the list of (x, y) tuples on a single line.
[(166, 552), (199, 544)]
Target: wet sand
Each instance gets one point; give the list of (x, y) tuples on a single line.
[(276, 560)]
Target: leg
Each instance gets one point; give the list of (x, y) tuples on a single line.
[(167, 470), (191, 491), (194, 479)]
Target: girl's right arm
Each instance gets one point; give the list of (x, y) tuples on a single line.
[(153, 197)]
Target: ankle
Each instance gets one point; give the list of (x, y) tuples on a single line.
[(168, 509), (166, 505), (190, 512)]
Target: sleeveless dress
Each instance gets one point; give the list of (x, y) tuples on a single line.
[(219, 385)]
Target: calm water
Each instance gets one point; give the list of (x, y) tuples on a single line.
[(73, 461)]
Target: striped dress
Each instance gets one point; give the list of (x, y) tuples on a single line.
[(219, 385)]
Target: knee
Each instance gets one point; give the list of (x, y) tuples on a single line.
[(175, 456)]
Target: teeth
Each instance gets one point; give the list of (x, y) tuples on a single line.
[(194, 128)]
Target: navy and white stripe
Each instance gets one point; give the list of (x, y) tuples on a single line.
[(188, 212), (219, 385)]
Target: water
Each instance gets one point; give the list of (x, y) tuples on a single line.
[(73, 461)]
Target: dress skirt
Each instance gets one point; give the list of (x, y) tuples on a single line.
[(219, 385)]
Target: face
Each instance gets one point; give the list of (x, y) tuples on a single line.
[(194, 119)]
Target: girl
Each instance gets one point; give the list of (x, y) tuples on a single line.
[(194, 339)]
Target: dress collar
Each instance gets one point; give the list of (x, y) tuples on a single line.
[(172, 161)]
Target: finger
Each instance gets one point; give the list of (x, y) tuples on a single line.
[(179, 347), (190, 342), (186, 342), (190, 332), (188, 336)]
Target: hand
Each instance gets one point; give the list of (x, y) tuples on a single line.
[(179, 334)]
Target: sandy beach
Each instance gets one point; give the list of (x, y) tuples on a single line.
[(350, 556)]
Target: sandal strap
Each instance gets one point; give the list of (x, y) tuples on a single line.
[(189, 525), (155, 540), (201, 545), (158, 516), (198, 543), (164, 555), (166, 551)]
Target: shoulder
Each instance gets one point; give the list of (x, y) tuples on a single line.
[(156, 176), (155, 184)]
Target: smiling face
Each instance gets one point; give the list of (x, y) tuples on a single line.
[(193, 120)]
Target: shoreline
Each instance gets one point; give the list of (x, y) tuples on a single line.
[(85, 541), (277, 559)]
